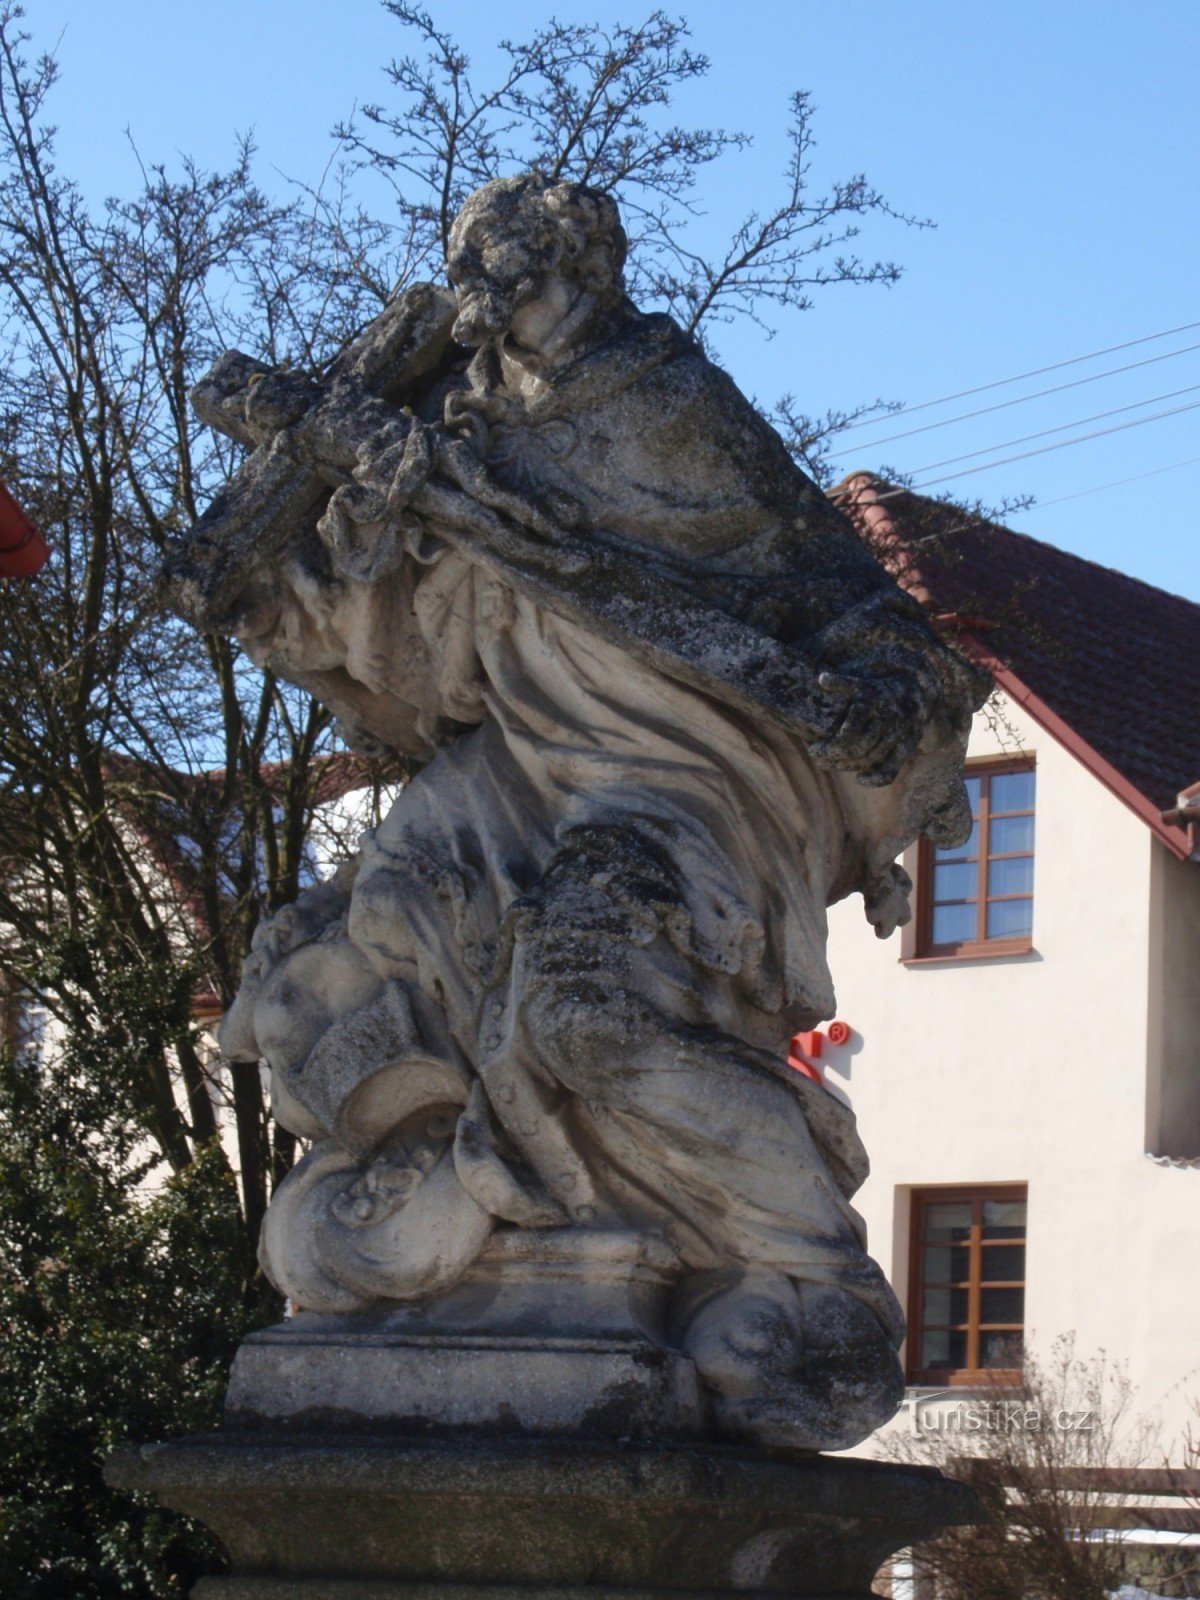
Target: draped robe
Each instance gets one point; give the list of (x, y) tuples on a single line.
[(589, 819)]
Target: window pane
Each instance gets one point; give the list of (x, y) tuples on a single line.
[(953, 924), (1004, 1219), (935, 1347), (942, 1347), (1002, 1263), (999, 1305), (1014, 876), (948, 1220), (935, 1306), (1011, 791), (946, 1263), (1009, 834), (956, 882), (950, 1305), (962, 851), (974, 787), (1000, 1349), (1008, 919)]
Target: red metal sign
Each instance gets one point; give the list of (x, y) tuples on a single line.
[(23, 551)]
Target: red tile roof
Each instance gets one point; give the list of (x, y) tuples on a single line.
[(1115, 659)]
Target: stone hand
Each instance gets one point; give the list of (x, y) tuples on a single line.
[(877, 720), (364, 522)]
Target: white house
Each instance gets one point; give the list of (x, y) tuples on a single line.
[(1025, 1061)]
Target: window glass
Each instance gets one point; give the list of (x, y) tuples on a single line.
[(1000, 1349), (1004, 1219), (955, 882), (1001, 1305), (1001, 1263), (960, 852), (1011, 791), (947, 1264), (1009, 919), (1013, 876), (948, 1220), (944, 1307), (1008, 835), (943, 1347), (935, 1347), (974, 790), (953, 924)]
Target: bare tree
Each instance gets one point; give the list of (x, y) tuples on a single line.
[(136, 817)]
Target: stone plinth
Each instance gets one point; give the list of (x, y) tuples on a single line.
[(552, 1332), (361, 1517)]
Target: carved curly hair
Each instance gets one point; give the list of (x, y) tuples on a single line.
[(593, 241), (559, 225)]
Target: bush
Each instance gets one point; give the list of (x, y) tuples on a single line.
[(122, 1302)]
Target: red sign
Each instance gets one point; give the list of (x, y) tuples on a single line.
[(23, 551), (804, 1049)]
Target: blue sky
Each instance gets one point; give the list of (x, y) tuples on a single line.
[(1056, 145)]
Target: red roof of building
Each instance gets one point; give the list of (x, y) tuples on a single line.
[(1113, 660)]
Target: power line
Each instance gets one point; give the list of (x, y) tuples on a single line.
[(1035, 372), (1062, 427), (1042, 450), (1038, 394), (1118, 483)]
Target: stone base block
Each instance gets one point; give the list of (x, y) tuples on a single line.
[(359, 1517), (597, 1387), (550, 1332)]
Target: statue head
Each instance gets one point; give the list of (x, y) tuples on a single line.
[(523, 243)]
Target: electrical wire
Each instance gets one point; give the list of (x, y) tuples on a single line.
[(1062, 427), (1038, 394), (1035, 372), (1042, 450), (1118, 483)]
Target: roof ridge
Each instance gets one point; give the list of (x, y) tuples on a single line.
[(853, 481)]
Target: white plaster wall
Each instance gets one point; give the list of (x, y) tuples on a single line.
[(1173, 1094), (1034, 1069)]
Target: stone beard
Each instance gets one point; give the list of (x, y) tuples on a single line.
[(582, 578)]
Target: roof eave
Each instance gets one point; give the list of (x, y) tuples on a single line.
[(1177, 840)]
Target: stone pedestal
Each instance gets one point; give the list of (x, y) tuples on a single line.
[(528, 1436), (366, 1517), (552, 1332)]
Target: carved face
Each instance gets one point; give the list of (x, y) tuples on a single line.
[(522, 250), (496, 268)]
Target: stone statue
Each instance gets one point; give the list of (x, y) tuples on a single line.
[(670, 709)]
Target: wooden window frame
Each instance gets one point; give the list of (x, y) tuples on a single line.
[(924, 949), (972, 1375)]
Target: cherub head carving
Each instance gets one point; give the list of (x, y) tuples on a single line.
[(523, 251)]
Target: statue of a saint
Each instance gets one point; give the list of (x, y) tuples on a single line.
[(671, 709)]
